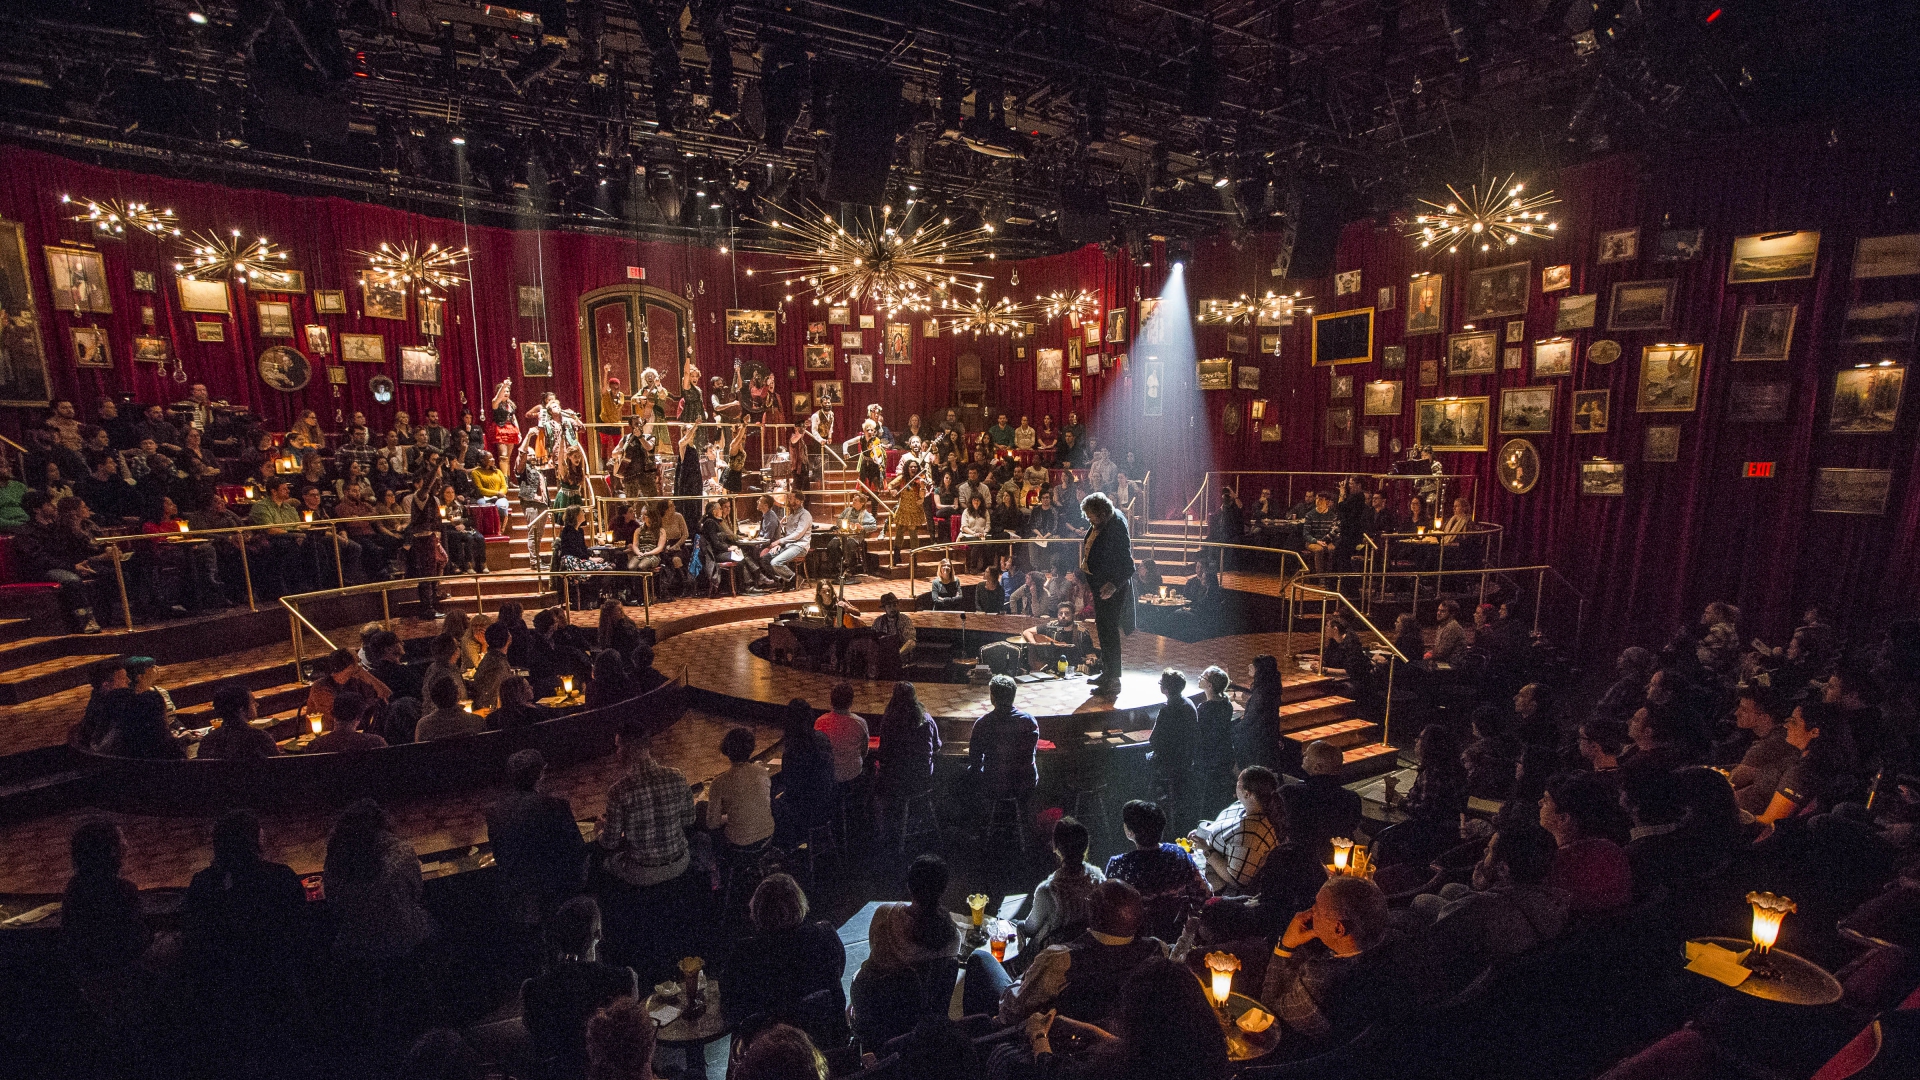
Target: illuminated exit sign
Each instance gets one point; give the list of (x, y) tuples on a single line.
[(636, 273), (1759, 470)]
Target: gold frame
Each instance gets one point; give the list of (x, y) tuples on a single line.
[(1348, 314), (1486, 423)]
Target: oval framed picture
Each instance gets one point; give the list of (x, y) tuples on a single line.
[(1519, 466), (1604, 351), (382, 388), (283, 368)]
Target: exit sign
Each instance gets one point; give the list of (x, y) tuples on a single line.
[(1759, 470), (636, 273)]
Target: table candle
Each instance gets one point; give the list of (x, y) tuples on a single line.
[(1342, 854), (1221, 966), (183, 526), (978, 902)]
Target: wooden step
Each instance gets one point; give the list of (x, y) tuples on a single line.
[(1353, 731), (14, 629), (25, 683), (1368, 759), (1301, 686), (1314, 711)]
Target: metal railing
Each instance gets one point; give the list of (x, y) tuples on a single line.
[(1375, 589), (1297, 590), (1216, 480)]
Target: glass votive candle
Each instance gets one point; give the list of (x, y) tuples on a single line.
[(978, 905)]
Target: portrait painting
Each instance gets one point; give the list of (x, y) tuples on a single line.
[(381, 388), (77, 278), (1472, 353), (1576, 312), (1270, 344), (1552, 357), (1591, 409), (1384, 300), (1073, 353), (1669, 378), (1381, 397), (207, 297), (1851, 491), (1661, 443), (288, 281), (1346, 283), (1340, 388), (1425, 293), (1513, 358), (1603, 478), (1758, 402), (1246, 377), (275, 318), (852, 339), (24, 380), (1619, 245), (1499, 290), (1152, 332), (1429, 373), (208, 330), (1679, 245), (433, 316), (1343, 337), (1116, 324), (533, 302), (284, 368), (1215, 373), (1340, 426), (90, 348), (536, 360), (363, 348), (1641, 305), (1884, 322), (1887, 256), (752, 327), (382, 299), (1153, 379), (1230, 418), (1766, 331), (839, 315), (829, 393), (145, 281), (1866, 401), (897, 346), (1777, 256), (930, 328), (1556, 278), (1452, 423), (1526, 410), (1370, 442), (330, 301), (1516, 330), (802, 403), (420, 365), (819, 357), (1049, 366), (860, 367), (319, 340), (336, 375), (1519, 465), (1393, 357)]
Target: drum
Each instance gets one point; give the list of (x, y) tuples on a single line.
[(727, 411)]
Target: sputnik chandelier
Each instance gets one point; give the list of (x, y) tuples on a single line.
[(896, 264), (1078, 306), (1497, 215), (1271, 309), (211, 255), (979, 316), (405, 266), (111, 218)]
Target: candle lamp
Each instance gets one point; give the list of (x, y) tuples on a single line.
[(183, 525), (978, 904), (690, 986), (1220, 967), (1342, 854), (566, 685), (1769, 911), (249, 492), (317, 722), (306, 516)]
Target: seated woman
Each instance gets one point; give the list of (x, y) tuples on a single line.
[(804, 789), (373, 884), (1433, 805), (337, 671), (101, 927), (976, 525), (1059, 905), (770, 972), (610, 682), (1169, 884), (572, 555), (1238, 841), (1824, 774), (945, 591), (913, 954)]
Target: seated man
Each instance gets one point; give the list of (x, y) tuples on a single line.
[(135, 717), (493, 669), (236, 738), (856, 526), (517, 708), (1508, 910), (538, 848), (1237, 842), (1322, 808), (556, 1005), (793, 540), (350, 710), (1322, 531), (1327, 979), (1165, 877), (647, 813), (1080, 979), (446, 719), (1000, 751)]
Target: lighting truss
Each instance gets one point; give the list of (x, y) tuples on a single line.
[(1271, 309), (211, 255), (896, 264), (434, 268), (111, 217), (1498, 215)]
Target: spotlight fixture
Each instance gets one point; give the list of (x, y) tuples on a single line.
[(211, 256), (1271, 309), (111, 217), (978, 316), (198, 18), (458, 139), (1498, 214), (893, 261), (434, 268)]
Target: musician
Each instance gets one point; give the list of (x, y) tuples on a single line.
[(730, 472), (873, 454), (835, 611), (1060, 636), (793, 539), (692, 405), (856, 526), (503, 428), (911, 483), (199, 407), (633, 463), (759, 395), (651, 399), (879, 418), (815, 435)]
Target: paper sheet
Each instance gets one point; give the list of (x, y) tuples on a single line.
[(1720, 965)]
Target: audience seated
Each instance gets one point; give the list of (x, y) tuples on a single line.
[(620, 1042), (804, 790), (517, 708), (334, 673), (1322, 808), (536, 844), (1170, 886), (493, 668), (236, 738), (563, 1005), (134, 718), (740, 800), (1237, 841), (1508, 910), (1162, 1027), (242, 942), (1000, 750), (1080, 979), (610, 684), (1433, 805), (1330, 973), (912, 949), (771, 974), (1579, 809), (446, 718), (1059, 902), (373, 885), (101, 927), (781, 1052)]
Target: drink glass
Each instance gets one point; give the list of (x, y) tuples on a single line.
[(997, 942)]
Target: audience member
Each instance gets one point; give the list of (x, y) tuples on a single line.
[(1080, 979), (1322, 808), (648, 810), (781, 1052), (770, 972), (1237, 842), (1170, 886), (244, 918), (135, 718), (1325, 981), (1163, 1027), (1000, 751), (620, 1042), (740, 800), (561, 1005), (1173, 743), (1433, 805), (373, 884), (446, 718), (517, 708), (334, 673), (1256, 734), (1211, 782), (1824, 773), (846, 732), (1509, 909), (536, 844), (804, 789), (1589, 868), (911, 955), (236, 738), (494, 668), (101, 927), (1059, 904)]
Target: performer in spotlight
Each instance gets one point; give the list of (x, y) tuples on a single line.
[(1106, 567), (503, 426), (652, 399), (556, 445), (912, 481)]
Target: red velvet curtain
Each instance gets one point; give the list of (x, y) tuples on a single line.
[(1684, 533)]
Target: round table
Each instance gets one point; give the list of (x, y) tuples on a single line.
[(1794, 981), (1247, 1045), (691, 1036)]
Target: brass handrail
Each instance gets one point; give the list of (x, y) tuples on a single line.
[(913, 554), (1386, 716), (331, 525)]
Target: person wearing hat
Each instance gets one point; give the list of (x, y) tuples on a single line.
[(106, 676)]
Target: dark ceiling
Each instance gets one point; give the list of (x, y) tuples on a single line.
[(1061, 121)]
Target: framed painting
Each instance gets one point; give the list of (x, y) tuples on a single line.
[(208, 330), (145, 281), (536, 360), (319, 340), (1866, 401), (897, 344), (1552, 357), (839, 315), (1758, 402), (1153, 382), (1214, 374), (1237, 344), (1669, 378), (1576, 312), (205, 297), (819, 357), (1393, 357), (420, 365), (433, 316), (1499, 290), (1851, 491), (1519, 466), (860, 367), (1346, 282), (1116, 324), (1679, 245), (1384, 298), (1513, 358), (1452, 423), (1618, 245), (78, 280), (1049, 367), (1556, 278), (532, 301), (1603, 352), (382, 299), (1887, 256), (275, 318), (930, 328), (1381, 397), (283, 368), (90, 347), (867, 322), (752, 327), (829, 393), (1343, 337), (1270, 344), (1603, 478), (1775, 256), (1340, 426), (1766, 331), (336, 375), (1591, 410), (1270, 433), (1090, 332), (1370, 442), (1426, 294), (852, 339), (1880, 323), (1473, 353), (363, 348), (1246, 377), (1340, 388), (287, 281), (1660, 443), (330, 301), (1641, 305), (1516, 331), (816, 333), (24, 380), (381, 388), (1073, 353), (1429, 373), (1526, 410)]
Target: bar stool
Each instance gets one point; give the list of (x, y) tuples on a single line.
[(1008, 813), (929, 817), (815, 837), (732, 570), (1077, 797)]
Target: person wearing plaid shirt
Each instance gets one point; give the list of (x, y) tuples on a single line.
[(1237, 842), (647, 815), (358, 447), (1330, 972)]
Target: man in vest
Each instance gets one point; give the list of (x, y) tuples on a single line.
[(1080, 979)]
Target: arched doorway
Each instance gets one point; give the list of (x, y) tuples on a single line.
[(628, 328)]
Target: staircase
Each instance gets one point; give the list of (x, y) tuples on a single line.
[(1311, 712)]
